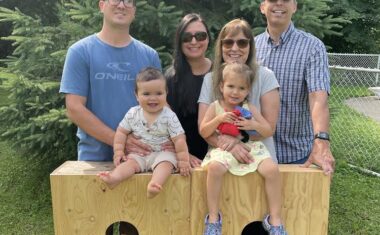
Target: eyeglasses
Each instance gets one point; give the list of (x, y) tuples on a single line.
[(199, 36), (127, 3), (286, 1), (241, 43)]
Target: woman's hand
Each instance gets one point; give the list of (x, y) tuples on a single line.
[(194, 161), (226, 142), (168, 146), (239, 150), (242, 153), (135, 145)]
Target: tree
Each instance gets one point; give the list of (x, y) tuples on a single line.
[(46, 10), (311, 16), (362, 33)]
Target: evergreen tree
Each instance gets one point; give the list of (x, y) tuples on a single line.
[(46, 10), (362, 33)]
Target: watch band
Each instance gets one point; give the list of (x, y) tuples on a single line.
[(322, 135)]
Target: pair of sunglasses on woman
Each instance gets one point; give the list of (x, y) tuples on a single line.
[(227, 43), (199, 36)]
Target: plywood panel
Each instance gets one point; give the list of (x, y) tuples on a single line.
[(82, 204), (305, 201)]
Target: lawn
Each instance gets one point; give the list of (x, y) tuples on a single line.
[(355, 137), (25, 204), (25, 200)]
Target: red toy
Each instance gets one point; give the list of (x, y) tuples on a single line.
[(229, 128)]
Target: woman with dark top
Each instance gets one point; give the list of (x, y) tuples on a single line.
[(185, 78)]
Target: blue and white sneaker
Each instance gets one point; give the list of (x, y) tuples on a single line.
[(213, 228), (273, 230)]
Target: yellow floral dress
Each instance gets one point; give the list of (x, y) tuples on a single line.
[(258, 152)]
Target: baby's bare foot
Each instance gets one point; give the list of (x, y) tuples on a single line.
[(108, 179), (153, 189)]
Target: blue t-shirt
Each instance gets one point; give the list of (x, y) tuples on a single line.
[(105, 75)]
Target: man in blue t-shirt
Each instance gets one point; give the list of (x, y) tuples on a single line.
[(99, 76)]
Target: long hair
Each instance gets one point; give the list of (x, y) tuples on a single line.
[(233, 28), (179, 75)]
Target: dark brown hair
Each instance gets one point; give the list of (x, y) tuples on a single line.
[(149, 74), (182, 98)]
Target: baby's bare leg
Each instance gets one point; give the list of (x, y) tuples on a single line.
[(120, 173), (160, 174)]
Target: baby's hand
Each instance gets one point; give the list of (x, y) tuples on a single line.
[(184, 168)]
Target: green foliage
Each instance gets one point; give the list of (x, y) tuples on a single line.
[(33, 44), (362, 33), (36, 118), (46, 10), (312, 17), (161, 16)]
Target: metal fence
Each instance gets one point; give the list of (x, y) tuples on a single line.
[(355, 108)]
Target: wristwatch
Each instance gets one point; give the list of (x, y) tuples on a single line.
[(322, 135)]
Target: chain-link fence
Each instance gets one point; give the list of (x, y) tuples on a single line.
[(355, 108)]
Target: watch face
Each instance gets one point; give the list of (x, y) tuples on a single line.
[(322, 135)]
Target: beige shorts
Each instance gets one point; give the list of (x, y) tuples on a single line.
[(149, 162)]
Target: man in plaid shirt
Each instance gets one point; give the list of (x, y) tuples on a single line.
[(299, 61)]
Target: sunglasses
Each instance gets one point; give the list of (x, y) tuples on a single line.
[(127, 3), (229, 43), (274, 1), (199, 36)]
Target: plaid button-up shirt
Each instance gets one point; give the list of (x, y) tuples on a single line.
[(301, 67)]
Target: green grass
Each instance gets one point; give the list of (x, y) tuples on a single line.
[(25, 199), (354, 202), (355, 137)]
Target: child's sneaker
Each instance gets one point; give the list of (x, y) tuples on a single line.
[(213, 228), (273, 230)]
